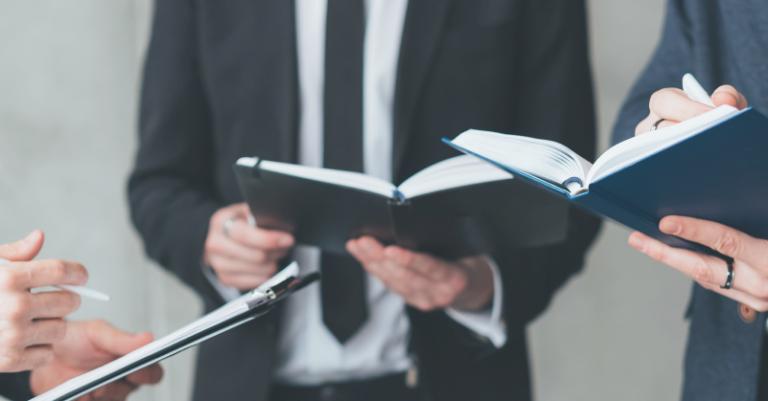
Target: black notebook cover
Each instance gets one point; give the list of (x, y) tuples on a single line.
[(454, 223)]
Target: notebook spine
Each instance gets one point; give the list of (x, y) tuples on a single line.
[(401, 213)]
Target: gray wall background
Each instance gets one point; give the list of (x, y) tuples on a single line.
[(69, 76)]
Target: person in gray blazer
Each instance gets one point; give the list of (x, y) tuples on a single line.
[(724, 43)]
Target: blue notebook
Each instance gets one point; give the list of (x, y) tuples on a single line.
[(712, 167)]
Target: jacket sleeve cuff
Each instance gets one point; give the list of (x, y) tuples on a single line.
[(487, 323), (15, 386)]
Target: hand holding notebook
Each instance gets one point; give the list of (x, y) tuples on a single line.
[(743, 275), (711, 167), (452, 209)]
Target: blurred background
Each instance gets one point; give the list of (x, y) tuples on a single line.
[(69, 79)]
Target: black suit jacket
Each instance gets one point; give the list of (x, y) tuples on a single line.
[(721, 42), (221, 83)]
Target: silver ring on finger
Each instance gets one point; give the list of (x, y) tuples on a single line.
[(228, 224), (729, 277), (655, 125)]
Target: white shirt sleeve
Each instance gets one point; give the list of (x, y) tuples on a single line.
[(487, 323), (228, 293)]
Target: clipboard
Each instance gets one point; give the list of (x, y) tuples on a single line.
[(236, 312)]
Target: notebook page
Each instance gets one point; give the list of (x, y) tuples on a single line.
[(546, 160), (642, 146), (455, 172)]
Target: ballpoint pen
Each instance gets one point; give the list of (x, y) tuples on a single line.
[(695, 92), (80, 290)]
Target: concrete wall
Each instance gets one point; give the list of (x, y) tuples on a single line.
[(68, 91)]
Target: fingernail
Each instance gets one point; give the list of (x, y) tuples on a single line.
[(671, 227), (637, 243)]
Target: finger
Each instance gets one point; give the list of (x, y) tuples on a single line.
[(114, 341), (727, 94), (34, 357), (395, 278), (227, 265), (46, 332), (709, 271), (220, 245), (366, 250), (118, 390), (25, 249), (28, 275), (53, 304), (243, 281), (434, 294), (721, 238), (423, 264), (702, 268), (150, 375), (674, 105), (261, 238), (646, 125), (428, 296)]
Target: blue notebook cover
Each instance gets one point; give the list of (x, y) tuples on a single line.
[(719, 174)]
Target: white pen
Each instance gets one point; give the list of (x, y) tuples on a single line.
[(79, 290), (695, 92)]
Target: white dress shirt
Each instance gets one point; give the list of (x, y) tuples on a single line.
[(308, 354)]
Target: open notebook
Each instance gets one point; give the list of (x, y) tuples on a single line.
[(711, 167), (563, 170), (454, 208), (234, 313)]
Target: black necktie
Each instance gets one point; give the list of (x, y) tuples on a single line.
[(343, 288)]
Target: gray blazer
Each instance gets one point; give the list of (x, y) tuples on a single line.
[(720, 42)]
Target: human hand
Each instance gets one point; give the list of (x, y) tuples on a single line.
[(31, 323), (750, 265), (424, 281), (674, 106), (245, 256), (87, 346)]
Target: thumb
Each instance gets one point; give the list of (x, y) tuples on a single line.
[(727, 94), (23, 250), (114, 341)]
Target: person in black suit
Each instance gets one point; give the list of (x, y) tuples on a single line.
[(39, 350), (362, 85)]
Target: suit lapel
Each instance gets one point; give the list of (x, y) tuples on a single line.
[(273, 70), (422, 30)]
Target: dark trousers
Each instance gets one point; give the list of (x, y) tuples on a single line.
[(387, 388)]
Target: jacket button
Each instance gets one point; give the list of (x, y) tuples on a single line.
[(747, 313)]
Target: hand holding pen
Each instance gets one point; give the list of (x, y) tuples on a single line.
[(670, 106), (743, 275), (31, 322)]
